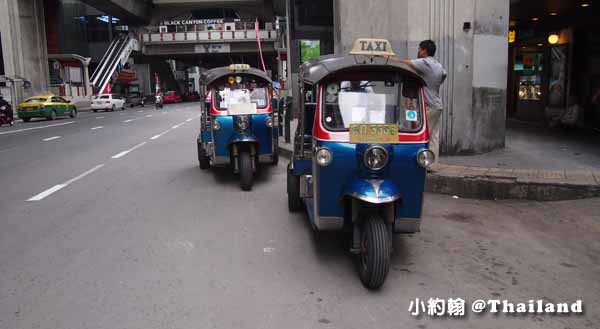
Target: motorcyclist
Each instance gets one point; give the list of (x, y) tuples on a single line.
[(7, 110), (159, 99)]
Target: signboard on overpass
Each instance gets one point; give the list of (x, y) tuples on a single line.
[(212, 48), (198, 21)]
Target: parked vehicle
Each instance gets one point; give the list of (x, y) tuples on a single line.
[(361, 151), (135, 99), (238, 126), (191, 97), (45, 106), (172, 97), (108, 102)]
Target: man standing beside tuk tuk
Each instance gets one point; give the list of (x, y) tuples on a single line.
[(434, 75)]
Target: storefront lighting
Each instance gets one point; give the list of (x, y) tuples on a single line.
[(585, 5), (535, 19), (553, 14), (553, 39)]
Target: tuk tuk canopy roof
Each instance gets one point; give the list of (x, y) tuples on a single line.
[(317, 69), (210, 76)]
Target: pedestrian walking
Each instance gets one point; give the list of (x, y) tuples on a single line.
[(434, 75)]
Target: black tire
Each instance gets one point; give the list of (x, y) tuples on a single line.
[(131, 105), (293, 192), (202, 158), (26, 119), (52, 115), (73, 113), (374, 259), (95, 111), (113, 108), (246, 174)]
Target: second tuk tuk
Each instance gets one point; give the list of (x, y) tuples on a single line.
[(361, 151), (238, 126)]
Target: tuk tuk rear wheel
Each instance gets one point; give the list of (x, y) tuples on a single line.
[(293, 192), (246, 175), (376, 247), (202, 158)]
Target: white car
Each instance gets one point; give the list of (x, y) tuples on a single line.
[(108, 102)]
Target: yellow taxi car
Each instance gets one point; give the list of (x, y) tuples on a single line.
[(45, 106)]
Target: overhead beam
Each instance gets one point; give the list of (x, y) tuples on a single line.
[(131, 11)]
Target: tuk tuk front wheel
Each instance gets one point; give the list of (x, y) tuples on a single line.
[(293, 192), (376, 247), (246, 174), (202, 158)]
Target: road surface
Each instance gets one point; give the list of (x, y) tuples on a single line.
[(107, 222)]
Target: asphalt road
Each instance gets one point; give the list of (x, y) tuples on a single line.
[(117, 227)]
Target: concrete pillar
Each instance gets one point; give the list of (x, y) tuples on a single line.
[(475, 55), (24, 42)]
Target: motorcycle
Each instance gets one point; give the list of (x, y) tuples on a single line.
[(158, 102), (4, 119)]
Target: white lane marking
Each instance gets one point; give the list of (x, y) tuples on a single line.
[(99, 127), (121, 113), (74, 179), (176, 126), (140, 111), (51, 138), (188, 120), (33, 128), (116, 156), (99, 117), (155, 137), (149, 116), (47, 192), (130, 120), (59, 187)]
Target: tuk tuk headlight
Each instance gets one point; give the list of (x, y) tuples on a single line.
[(216, 125), (323, 157), (425, 158), (376, 157), (269, 122), (243, 122)]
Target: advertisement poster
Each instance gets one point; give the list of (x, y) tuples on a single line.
[(558, 76), (309, 49)]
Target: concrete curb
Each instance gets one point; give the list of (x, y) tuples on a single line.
[(489, 188), (499, 184)]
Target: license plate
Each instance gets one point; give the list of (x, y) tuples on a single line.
[(374, 133)]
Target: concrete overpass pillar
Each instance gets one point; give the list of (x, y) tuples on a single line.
[(23, 37), (471, 36)]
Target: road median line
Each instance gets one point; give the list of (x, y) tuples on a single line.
[(34, 128)]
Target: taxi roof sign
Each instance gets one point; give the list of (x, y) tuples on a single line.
[(239, 67), (372, 47)]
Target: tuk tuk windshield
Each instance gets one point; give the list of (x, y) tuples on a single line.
[(371, 102), (241, 95)]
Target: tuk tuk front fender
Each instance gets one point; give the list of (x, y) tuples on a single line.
[(375, 191), (242, 138)]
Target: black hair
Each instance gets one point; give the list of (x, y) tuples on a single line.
[(429, 46)]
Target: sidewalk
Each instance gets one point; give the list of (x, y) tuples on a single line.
[(537, 164)]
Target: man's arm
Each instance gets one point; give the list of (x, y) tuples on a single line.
[(408, 62)]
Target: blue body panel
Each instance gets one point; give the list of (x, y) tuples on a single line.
[(258, 133), (347, 175)]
